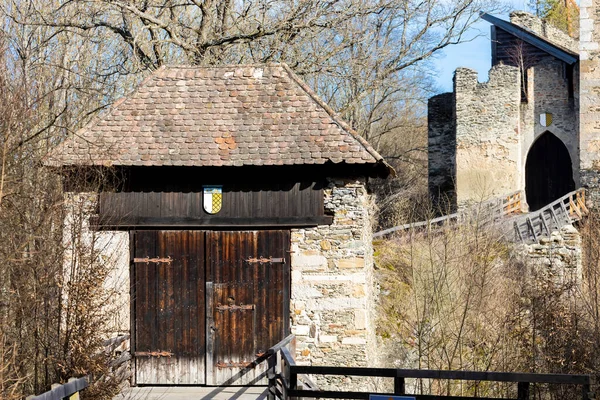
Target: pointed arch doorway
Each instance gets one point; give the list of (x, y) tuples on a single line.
[(548, 171)]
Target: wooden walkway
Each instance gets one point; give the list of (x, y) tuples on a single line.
[(530, 227), (506, 213), (193, 393)]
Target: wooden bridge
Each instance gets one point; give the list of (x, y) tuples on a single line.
[(508, 213)]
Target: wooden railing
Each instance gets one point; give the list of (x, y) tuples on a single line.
[(487, 211), (285, 379), (69, 390), (527, 227), (566, 210)]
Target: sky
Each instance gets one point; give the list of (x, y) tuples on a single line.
[(475, 54)]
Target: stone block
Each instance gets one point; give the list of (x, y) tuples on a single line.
[(360, 319), (299, 305), (354, 341), (301, 330), (358, 291), (305, 292), (351, 263), (325, 245), (328, 338), (309, 260)]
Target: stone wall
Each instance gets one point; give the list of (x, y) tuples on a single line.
[(589, 53), (110, 249), (442, 149), (544, 29), (332, 284), (480, 135), (548, 93), (557, 259), (488, 150)]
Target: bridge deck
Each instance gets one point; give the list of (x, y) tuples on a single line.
[(193, 393)]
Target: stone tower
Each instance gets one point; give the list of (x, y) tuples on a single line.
[(589, 127), (519, 131)]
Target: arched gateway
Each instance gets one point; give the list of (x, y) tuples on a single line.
[(548, 171)]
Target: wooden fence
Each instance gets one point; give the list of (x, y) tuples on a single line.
[(69, 390), (486, 212), (507, 214), (566, 210), (288, 380)]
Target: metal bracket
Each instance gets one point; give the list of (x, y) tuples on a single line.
[(242, 307), (157, 354), (264, 260), (148, 260), (231, 364)]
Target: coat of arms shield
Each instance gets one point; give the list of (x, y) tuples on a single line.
[(212, 199), (545, 119)]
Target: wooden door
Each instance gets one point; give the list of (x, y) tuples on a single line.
[(169, 307), (247, 302)]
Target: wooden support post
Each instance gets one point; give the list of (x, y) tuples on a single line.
[(272, 376), (544, 223), (74, 396), (532, 229), (554, 217), (399, 387), (523, 391), (518, 232), (565, 212)]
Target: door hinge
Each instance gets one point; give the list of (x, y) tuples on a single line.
[(148, 260), (157, 354), (231, 364), (264, 260), (242, 307)]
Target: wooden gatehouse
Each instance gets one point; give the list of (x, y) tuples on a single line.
[(242, 199)]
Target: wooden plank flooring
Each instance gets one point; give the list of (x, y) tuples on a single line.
[(193, 393)]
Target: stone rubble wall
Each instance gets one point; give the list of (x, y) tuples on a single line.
[(589, 53), (548, 93), (442, 149), (333, 304), (488, 148), (543, 29), (480, 135), (559, 257)]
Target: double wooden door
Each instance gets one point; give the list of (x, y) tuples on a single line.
[(208, 304)]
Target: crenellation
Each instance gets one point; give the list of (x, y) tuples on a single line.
[(482, 134)]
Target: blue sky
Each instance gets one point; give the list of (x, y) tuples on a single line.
[(475, 54)]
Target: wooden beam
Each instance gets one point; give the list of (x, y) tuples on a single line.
[(127, 223)]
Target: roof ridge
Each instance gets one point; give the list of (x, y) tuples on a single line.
[(254, 65), (336, 118)]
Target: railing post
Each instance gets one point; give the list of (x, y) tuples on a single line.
[(293, 378), (586, 389), (74, 396), (523, 391), (272, 376), (399, 385)]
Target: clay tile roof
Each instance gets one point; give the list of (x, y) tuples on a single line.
[(217, 116)]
